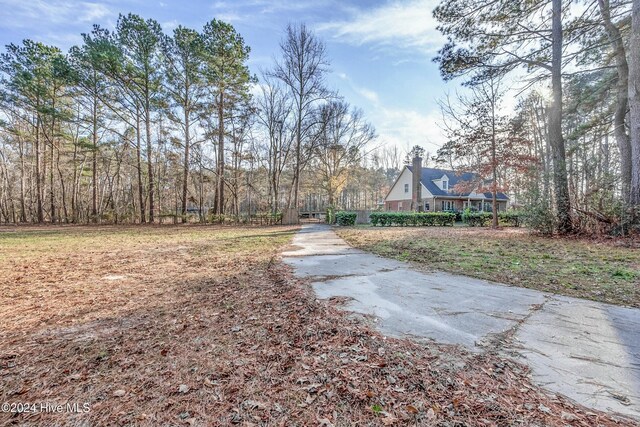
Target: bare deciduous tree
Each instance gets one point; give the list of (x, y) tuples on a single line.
[(302, 68)]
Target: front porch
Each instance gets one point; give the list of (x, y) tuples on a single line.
[(459, 205)]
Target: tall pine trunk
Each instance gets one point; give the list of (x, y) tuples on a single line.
[(139, 168), (147, 107), (94, 160), (622, 94), (23, 214), (185, 171), (39, 210), (634, 104), (560, 180), (52, 159), (494, 163), (220, 166)]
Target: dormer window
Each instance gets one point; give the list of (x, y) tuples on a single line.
[(445, 185)]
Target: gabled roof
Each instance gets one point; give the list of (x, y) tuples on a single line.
[(430, 174)]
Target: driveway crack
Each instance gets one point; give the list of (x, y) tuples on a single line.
[(498, 342)]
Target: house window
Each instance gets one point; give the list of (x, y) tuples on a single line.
[(445, 185), (406, 188), (399, 206), (426, 206)]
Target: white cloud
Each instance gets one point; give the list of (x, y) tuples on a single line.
[(368, 94), (169, 26), (406, 128), (92, 12), (397, 25), (25, 13), (231, 17), (400, 126)]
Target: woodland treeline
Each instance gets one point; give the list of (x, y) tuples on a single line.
[(136, 125), (570, 151)]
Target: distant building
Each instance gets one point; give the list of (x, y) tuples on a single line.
[(438, 190)]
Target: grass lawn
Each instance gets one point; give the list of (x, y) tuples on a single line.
[(604, 271), (203, 326)]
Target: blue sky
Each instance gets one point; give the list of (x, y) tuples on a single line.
[(380, 51)]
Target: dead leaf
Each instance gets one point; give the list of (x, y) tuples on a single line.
[(324, 422), (388, 419), (431, 414)]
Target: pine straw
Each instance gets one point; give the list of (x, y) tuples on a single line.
[(250, 345)]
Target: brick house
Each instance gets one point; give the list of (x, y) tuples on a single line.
[(437, 190)]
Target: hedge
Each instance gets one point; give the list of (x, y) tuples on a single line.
[(511, 218), (412, 218), (476, 219), (483, 219), (346, 218)]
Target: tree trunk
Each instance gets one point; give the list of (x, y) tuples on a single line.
[(622, 68), (561, 185), (149, 158), (185, 170), (220, 166), (634, 104), (94, 161), (63, 191), (201, 189), (296, 172), (40, 213), (139, 167), (74, 182), (274, 184), (51, 172), (494, 164), (23, 214)]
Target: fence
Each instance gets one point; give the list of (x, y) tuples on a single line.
[(290, 217)]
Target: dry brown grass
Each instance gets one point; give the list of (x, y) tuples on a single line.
[(203, 326)]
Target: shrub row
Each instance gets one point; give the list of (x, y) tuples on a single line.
[(476, 219), (510, 218), (483, 219), (412, 218), (345, 218)]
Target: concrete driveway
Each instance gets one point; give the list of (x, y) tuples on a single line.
[(585, 350)]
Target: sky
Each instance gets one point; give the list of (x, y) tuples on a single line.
[(380, 51)]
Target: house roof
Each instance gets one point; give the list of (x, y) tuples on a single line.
[(431, 174)]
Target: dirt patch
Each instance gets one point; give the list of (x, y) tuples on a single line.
[(209, 328)]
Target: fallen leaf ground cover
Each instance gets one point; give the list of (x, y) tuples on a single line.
[(600, 270), (203, 326)]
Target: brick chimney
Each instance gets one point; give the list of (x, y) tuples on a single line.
[(416, 196)]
